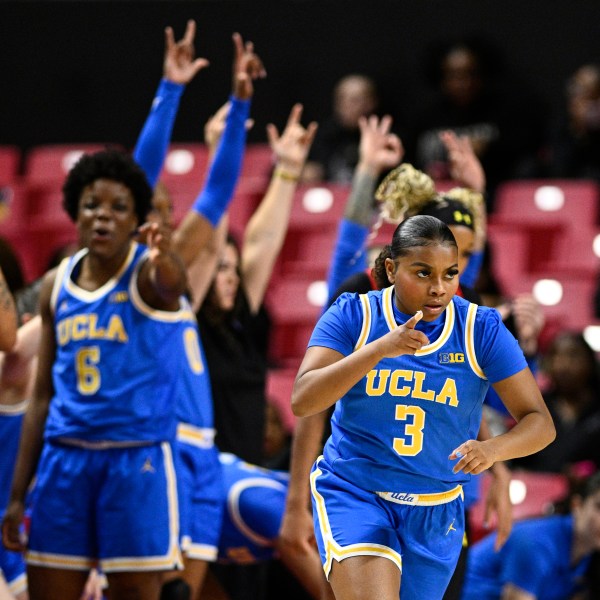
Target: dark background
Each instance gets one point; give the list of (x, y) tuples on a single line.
[(87, 70)]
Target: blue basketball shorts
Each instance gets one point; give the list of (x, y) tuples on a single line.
[(201, 492), (115, 508), (423, 537), (12, 567)]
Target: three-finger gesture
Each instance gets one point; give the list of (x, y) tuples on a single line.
[(464, 165), (292, 146), (247, 66), (379, 149), (179, 65)]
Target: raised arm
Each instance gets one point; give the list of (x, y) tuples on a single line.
[(467, 171), (179, 68), (265, 232), (379, 150), (196, 228)]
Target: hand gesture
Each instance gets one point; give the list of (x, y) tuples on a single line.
[(12, 534), (179, 65), (291, 148), (404, 339), (158, 239), (474, 457), (247, 67), (379, 149), (214, 127), (529, 321), (464, 165)]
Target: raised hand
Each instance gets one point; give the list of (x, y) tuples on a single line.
[(214, 127), (404, 339), (379, 149), (179, 65), (247, 66), (292, 146), (465, 167)]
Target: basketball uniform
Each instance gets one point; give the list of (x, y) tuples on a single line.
[(393, 431), (536, 558), (200, 482), (106, 486), (12, 565), (255, 507)]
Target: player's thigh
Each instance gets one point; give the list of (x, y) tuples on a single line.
[(360, 577), (144, 585), (46, 583)]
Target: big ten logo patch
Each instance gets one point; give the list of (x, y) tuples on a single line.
[(451, 357)]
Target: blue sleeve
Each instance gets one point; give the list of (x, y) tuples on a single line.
[(493, 400), (470, 275), (339, 327), (153, 142), (498, 352), (349, 254), (225, 168)]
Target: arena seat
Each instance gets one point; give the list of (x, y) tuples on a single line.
[(532, 494), (258, 161), (10, 164), (294, 304), (185, 164), (573, 203), (48, 165)]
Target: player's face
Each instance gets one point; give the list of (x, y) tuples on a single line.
[(227, 279), (465, 240), (426, 279), (106, 217)]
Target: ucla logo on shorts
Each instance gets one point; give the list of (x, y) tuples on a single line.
[(403, 497), (451, 357)]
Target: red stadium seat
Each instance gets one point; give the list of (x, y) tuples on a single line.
[(10, 163), (258, 161), (185, 163), (48, 165), (561, 202), (532, 494), (294, 305)]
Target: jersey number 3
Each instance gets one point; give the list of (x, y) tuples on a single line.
[(414, 418)]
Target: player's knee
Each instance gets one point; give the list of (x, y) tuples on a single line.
[(176, 589)]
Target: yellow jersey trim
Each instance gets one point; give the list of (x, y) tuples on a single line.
[(366, 321), (470, 341)]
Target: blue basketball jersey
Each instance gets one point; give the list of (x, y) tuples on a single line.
[(536, 558), (394, 430), (118, 363), (194, 403), (255, 507), (11, 419)]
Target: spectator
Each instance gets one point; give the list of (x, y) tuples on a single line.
[(470, 99), (570, 368), (574, 149), (335, 151)]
